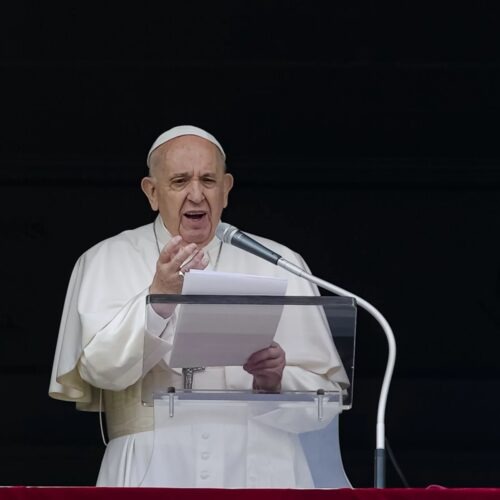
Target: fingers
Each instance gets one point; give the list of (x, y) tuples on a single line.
[(269, 356), (176, 252), (267, 367), (266, 358), (198, 260), (170, 249), (176, 256)]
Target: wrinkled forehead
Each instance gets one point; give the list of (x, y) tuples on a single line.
[(181, 131)]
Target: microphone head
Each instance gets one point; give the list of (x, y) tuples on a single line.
[(225, 232)]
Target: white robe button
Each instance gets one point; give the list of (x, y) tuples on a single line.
[(205, 435), (204, 474), (205, 455)]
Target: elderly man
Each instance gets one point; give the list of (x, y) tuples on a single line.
[(103, 339)]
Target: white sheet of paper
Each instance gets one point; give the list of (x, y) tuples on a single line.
[(224, 335)]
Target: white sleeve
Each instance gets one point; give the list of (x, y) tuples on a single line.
[(122, 351), (102, 339)]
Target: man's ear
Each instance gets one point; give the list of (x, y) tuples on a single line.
[(228, 184), (148, 186)]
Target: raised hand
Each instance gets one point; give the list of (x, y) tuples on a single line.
[(177, 257)]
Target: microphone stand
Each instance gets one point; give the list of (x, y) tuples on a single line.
[(379, 479)]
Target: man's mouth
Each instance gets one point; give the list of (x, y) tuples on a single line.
[(195, 215)]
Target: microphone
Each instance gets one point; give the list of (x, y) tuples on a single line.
[(233, 236)]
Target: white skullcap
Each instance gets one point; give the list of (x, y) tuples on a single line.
[(178, 132)]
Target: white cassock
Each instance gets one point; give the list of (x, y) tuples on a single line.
[(103, 341)]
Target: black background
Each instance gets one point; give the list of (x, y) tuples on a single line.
[(364, 135)]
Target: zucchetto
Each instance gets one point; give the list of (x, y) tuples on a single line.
[(180, 131)]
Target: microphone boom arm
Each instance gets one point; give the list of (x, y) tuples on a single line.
[(379, 479)]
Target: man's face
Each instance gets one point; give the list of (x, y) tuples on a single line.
[(189, 187)]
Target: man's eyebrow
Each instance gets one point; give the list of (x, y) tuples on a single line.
[(186, 175), (179, 174)]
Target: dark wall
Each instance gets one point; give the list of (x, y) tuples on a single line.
[(364, 136)]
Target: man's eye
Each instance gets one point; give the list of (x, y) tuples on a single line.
[(177, 183), (209, 181)]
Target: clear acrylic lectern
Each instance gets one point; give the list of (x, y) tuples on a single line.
[(211, 428)]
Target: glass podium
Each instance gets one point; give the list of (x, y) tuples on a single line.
[(211, 429)]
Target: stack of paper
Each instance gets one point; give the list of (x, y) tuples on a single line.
[(223, 334)]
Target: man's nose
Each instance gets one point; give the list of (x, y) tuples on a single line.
[(195, 191)]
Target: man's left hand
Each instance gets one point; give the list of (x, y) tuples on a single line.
[(267, 366)]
